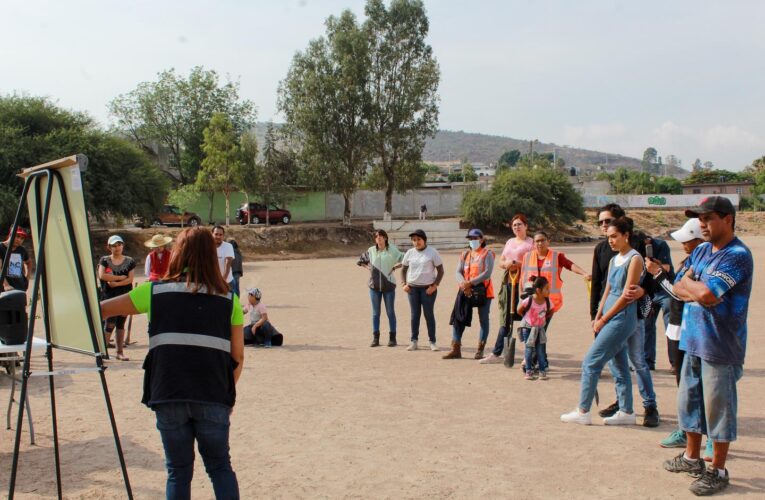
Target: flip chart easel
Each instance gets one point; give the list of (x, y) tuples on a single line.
[(65, 285)]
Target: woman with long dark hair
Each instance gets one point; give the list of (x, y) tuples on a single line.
[(382, 259), (196, 351), (615, 321)]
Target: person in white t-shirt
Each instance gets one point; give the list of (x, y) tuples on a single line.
[(260, 331), (225, 255), (422, 270)]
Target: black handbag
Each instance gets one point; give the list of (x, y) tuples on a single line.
[(477, 295)]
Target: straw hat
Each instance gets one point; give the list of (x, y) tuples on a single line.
[(158, 240)]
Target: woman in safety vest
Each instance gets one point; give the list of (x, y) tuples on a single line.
[(475, 291), (546, 262), (196, 351)]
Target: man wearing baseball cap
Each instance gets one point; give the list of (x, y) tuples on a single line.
[(17, 275), (715, 287)]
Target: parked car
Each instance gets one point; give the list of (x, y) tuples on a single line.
[(257, 214), (170, 215)]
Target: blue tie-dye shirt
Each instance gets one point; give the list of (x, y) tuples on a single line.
[(718, 333)]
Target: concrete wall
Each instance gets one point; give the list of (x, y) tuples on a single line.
[(317, 206), (652, 200), (440, 202)]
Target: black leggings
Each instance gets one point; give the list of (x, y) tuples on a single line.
[(676, 356)]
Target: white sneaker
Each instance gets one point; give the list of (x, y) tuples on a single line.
[(433, 346), (491, 359), (412, 346), (620, 418), (577, 417)]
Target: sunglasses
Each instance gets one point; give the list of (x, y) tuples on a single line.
[(605, 222), (119, 243)]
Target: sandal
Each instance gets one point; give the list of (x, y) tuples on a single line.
[(111, 345), (131, 342), (122, 357)]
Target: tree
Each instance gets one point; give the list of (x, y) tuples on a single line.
[(757, 166), (184, 197), (173, 113), (325, 100), (275, 172), (668, 185), (708, 165), (121, 180), (508, 159), (544, 193), (715, 176), (697, 165), (221, 155), (650, 159), (402, 83), (672, 163), (246, 171), (468, 173)]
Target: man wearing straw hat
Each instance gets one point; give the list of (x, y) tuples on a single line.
[(159, 258)]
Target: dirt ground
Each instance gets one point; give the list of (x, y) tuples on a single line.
[(328, 417)]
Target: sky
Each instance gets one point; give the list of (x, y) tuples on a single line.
[(684, 76)]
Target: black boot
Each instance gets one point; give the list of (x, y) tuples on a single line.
[(609, 411), (375, 339), (651, 417), (392, 341)]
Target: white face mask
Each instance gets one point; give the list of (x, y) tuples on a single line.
[(474, 244)]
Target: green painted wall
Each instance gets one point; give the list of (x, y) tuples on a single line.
[(304, 206), (308, 206)]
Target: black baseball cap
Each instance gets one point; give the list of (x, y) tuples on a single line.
[(420, 233), (719, 204)]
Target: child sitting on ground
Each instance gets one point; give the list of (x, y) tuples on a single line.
[(259, 331), (536, 310)]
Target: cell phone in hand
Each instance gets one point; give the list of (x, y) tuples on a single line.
[(648, 248)]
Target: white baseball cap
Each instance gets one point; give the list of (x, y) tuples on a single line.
[(690, 231), (115, 239)]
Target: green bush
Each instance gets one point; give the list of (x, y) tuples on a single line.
[(544, 195), (752, 204)]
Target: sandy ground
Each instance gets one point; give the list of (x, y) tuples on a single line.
[(328, 417)]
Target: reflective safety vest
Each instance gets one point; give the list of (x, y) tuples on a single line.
[(474, 267), (549, 270), (189, 358)]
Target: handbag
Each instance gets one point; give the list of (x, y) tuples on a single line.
[(477, 295)]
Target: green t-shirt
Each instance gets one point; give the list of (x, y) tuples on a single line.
[(384, 260), (141, 297)]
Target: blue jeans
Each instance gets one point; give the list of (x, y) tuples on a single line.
[(541, 352), (661, 303), (180, 424), (608, 347), (390, 300), (707, 402), (235, 285), (419, 303), (483, 318), (636, 356)]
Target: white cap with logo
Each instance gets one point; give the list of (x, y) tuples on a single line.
[(690, 231)]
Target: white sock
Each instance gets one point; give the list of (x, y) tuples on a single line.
[(721, 473), (689, 459)]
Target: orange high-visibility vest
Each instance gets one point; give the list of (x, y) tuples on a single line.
[(549, 270), (474, 267)]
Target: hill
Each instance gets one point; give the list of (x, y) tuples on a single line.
[(482, 148), (449, 145)]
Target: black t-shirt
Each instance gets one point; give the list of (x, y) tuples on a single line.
[(15, 275), (123, 269)]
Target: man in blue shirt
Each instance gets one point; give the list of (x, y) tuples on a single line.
[(716, 288)]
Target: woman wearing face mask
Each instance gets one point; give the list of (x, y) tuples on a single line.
[(475, 291)]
